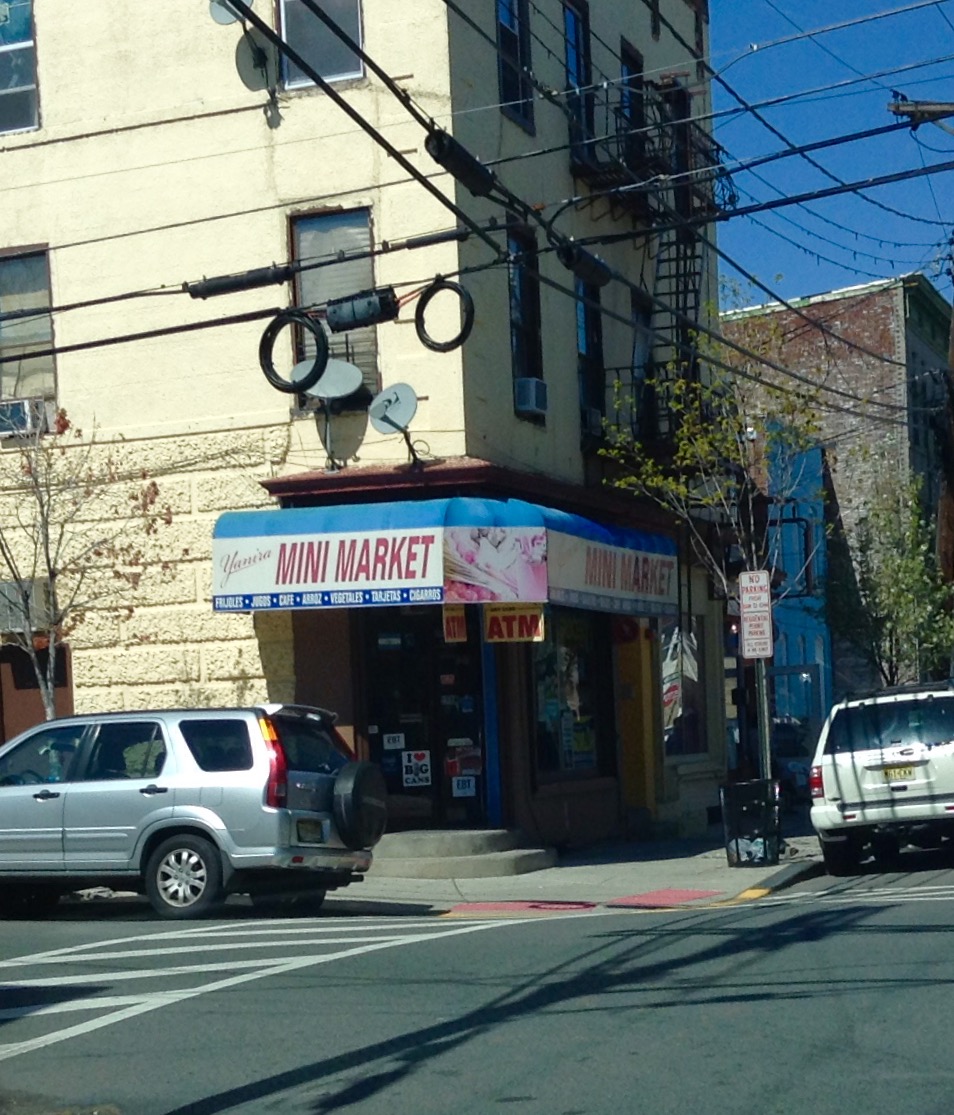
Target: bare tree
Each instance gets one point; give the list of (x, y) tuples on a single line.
[(75, 516)]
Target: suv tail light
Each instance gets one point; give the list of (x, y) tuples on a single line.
[(276, 791), (816, 783)]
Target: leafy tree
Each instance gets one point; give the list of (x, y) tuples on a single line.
[(738, 456), (75, 516), (904, 624)]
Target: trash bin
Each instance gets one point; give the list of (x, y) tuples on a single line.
[(750, 819)]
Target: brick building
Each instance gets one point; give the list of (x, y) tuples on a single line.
[(880, 351)]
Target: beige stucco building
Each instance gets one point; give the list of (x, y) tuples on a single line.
[(143, 155)]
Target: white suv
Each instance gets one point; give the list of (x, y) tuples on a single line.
[(187, 806), (883, 775)]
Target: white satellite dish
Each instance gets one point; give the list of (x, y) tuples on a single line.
[(392, 409), (337, 380), (223, 12)]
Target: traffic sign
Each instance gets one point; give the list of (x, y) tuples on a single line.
[(755, 613)]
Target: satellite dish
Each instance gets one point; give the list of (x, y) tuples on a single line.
[(256, 60), (391, 410), (223, 12), (337, 380)]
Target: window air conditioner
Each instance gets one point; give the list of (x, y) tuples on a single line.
[(530, 395), (22, 417)]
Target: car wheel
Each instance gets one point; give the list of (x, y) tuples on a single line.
[(304, 904), (184, 877), (360, 804), (840, 859), (27, 902)]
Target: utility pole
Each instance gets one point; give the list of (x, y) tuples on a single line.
[(922, 112)]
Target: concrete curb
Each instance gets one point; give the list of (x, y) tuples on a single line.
[(784, 878)]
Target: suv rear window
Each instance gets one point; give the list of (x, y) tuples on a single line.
[(220, 744), (309, 745), (890, 724)]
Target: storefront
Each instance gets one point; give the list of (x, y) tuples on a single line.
[(502, 656)]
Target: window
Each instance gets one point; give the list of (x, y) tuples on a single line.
[(317, 44), (513, 61), (632, 107), (47, 756), (18, 99), (641, 309), (678, 101), (127, 749), (25, 327), (573, 715), (683, 695), (591, 374), (218, 744), (322, 237), (576, 37), (308, 746), (524, 283)]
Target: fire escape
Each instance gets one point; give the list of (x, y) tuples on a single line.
[(639, 141)]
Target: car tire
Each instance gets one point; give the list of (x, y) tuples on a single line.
[(184, 877), (22, 901), (840, 859), (360, 804), (306, 903)]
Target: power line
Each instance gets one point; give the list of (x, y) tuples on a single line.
[(760, 48), (526, 210), (775, 131)]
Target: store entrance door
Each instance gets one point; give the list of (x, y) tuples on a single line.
[(425, 725)]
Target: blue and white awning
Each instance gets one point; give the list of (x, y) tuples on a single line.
[(462, 549)]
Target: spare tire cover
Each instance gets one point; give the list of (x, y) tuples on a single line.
[(360, 804)]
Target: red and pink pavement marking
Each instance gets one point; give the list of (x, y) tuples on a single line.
[(651, 900)]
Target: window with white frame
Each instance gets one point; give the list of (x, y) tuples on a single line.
[(18, 96), (317, 44), (340, 244), (26, 328)]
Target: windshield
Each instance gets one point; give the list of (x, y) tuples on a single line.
[(891, 724)]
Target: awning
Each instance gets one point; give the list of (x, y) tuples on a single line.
[(437, 551)]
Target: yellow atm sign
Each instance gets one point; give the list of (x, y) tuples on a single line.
[(513, 623)]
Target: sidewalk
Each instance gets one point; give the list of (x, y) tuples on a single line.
[(644, 874)]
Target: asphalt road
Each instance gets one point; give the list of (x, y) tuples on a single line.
[(832, 996)]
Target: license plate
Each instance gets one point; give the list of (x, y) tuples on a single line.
[(310, 832), (898, 774)]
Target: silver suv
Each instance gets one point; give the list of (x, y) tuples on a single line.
[(186, 806), (883, 775)]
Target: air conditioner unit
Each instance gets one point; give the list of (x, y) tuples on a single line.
[(530, 395), (22, 417)]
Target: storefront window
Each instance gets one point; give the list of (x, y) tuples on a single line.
[(572, 672), (683, 651)]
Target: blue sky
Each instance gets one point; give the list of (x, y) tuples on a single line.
[(840, 241)]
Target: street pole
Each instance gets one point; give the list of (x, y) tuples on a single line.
[(762, 709)]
